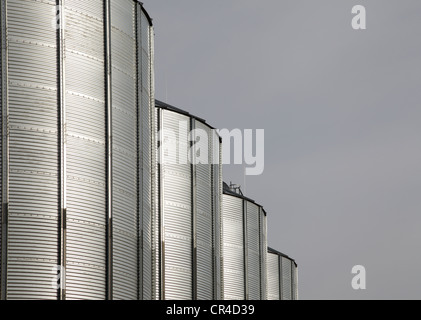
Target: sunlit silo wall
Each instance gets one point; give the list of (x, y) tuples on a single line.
[(76, 149), (189, 242), (282, 276), (244, 247)]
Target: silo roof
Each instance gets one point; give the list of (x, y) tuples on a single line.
[(145, 12), (166, 106), (270, 250), (227, 190)]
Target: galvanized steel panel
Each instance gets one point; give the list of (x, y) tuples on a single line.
[(220, 253), (157, 221), (178, 268), (3, 151), (84, 22), (35, 145), (180, 206), (233, 233), (93, 8), (125, 152), (263, 254), (177, 216), (286, 279), (146, 55), (146, 207), (37, 14), (86, 150), (204, 218), (34, 160), (154, 154), (146, 127), (273, 275), (2, 164), (217, 223), (254, 257), (295, 281), (146, 200)]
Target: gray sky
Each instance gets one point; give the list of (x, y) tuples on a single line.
[(341, 111)]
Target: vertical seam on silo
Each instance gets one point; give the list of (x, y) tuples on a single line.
[(296, 283), (221, 221), (259, 218), (1, 116), (139, 135), (245, 222), (262, 255), (292, 281), (152, 130), (160, 216), (214, 237), (1, 113), (266, 254), (109, 242), (263, 252), (281, 282), (280, 277), (63, 147), (193, 208), (216, 215), (5, 157), (2, 148)]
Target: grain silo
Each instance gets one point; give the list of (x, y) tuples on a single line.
[(188, 218), (245, 246), (76, 149), (282, 275)]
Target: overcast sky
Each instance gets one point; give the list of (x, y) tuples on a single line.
[(341, 111)]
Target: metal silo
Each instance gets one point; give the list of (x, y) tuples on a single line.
[(245, 245), (76, 149), (282, 275), (189, 179)]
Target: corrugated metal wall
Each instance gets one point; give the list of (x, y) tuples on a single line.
[(34, 159), (263, 254), (125, 150), (294, 281), (282, 277), (286, 279), (245, 245), (69, 90), (190, 210), (177, 213), (253, 254), (157, 221), (2, 163), (204, 217), (79, 110), (273, 270), (217, 218), (86, 165), (233, 233), (147, 150)]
